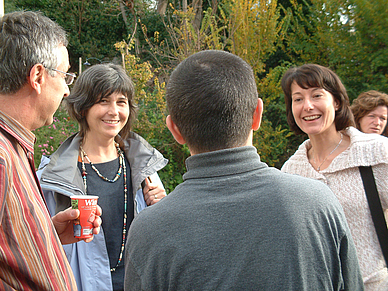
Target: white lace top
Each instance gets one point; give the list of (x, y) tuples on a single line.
[(343, 177)]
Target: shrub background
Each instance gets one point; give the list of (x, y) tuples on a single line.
[(350, 37)]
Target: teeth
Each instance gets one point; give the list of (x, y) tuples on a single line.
[(311, 117), (111, 121)]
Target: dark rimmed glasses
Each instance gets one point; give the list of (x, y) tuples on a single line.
[(69, 77)]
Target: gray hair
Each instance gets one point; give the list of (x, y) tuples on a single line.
[(27, 38), (95, 84)]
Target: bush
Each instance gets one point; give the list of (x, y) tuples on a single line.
[(49, 138)]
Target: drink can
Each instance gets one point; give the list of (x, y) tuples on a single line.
[(83, 225)]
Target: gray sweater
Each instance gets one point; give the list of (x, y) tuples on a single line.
[(236, 224)]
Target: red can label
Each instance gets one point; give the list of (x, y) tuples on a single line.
[(83, 225)]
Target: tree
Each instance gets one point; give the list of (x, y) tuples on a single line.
[(246, 28), (349, 36), (93, 26)]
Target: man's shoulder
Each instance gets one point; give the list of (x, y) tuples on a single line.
[(285, 178), (294, 187)]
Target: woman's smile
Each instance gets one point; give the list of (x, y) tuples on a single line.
[(311, 117), (313, 109), (108, 116), (111, 121)]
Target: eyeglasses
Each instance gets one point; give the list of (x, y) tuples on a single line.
[(69, 77)]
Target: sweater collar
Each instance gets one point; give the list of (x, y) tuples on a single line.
[(223, 163), (364, 150)]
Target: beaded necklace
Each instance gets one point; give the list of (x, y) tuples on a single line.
[(122, 168)]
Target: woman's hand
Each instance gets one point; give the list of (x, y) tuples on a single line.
[(63, 223), (153, 192)]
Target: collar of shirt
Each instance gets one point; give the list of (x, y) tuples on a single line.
[(24, 136)]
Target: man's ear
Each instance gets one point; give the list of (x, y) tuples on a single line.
[(37, 77), (174, 130), (257, 115)]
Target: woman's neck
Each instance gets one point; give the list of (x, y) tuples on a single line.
[(325, 147), (323, 143), (99, 151)]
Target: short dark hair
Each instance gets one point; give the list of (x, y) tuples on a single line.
[(316, 76), (27, 38), (211, 97), (367, 102), (96, 83)]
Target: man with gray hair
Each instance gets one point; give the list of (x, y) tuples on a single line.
[(33, 80)]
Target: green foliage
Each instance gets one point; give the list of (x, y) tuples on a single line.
[(274, 140), (254, 29), (349, 36), (93, 26), (49, 138), (271, 143), (180, 38), (9, 6), (368, 67), (152, 114)]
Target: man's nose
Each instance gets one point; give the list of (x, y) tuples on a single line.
[(67, 91)]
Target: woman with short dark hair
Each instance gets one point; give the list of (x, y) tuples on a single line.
[(108, 160), (317, 104)]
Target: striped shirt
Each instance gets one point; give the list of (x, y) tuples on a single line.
[(31, 254)]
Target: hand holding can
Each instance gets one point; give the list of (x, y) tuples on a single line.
[(86, 204)]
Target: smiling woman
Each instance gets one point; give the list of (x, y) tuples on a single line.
[(108, 160), (107, 117), (317, 105), (313, 109)]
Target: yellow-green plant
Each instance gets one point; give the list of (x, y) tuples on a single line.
[(152, 114), (254, 28), (271, 139), (246, 28)]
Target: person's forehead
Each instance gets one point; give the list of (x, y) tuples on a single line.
[(380, 109), (295, 87), (117, 95), (63, 58)]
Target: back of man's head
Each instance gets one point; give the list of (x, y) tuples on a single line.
[(211, 97), (27, 38)]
